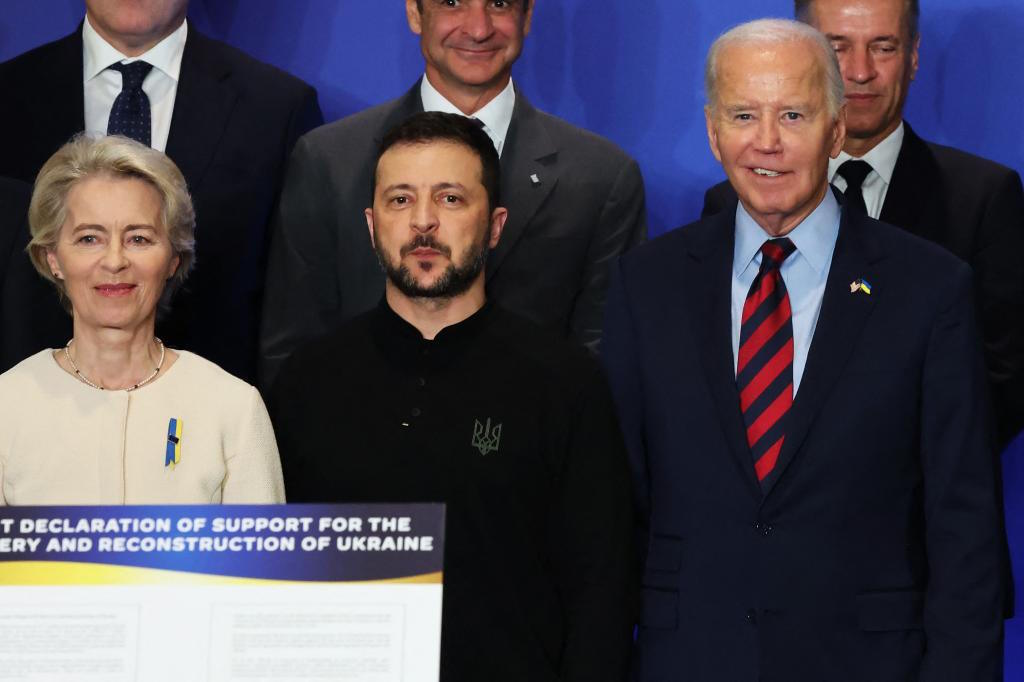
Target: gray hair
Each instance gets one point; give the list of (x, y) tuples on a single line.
[(803, 10), (86, 156), (775, 31)]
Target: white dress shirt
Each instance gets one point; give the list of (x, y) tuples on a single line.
[(496, 115), (882, 159), (103, 85), (804, 272)]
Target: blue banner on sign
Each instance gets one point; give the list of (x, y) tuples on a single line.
[(322, 543)]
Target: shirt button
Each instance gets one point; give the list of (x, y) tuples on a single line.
[(416, 412)]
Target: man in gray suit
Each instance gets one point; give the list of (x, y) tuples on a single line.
[(575, 200)]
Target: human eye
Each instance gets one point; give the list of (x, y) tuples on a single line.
[(884, 48), (87, 239), (451, 199), (398, 200), (138, 239), (792, 116), (501, 4), (743, 116)]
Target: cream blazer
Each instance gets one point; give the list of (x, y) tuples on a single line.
[(63, 442)]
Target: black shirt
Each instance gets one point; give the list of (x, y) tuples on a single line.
[(515, 431)]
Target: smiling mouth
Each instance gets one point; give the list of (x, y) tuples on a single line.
[(115, 289), (476, 53), (764, 172)]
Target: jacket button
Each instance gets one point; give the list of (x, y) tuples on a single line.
[(421, 382), (416, 412), (752, 616), (757, 526), (766, 529)]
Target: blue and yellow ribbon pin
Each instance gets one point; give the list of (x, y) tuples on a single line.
[(860, 284), (173, 443)]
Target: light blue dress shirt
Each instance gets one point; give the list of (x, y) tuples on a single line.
[(804, 272)]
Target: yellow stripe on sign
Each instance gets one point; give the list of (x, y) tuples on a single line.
[(81, 573)]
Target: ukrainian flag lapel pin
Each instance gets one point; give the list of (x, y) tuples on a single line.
[(860, 284), (173, 455)]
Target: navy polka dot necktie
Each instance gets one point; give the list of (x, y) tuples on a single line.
[(130, 115)]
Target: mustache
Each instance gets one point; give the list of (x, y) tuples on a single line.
[(426, 241)]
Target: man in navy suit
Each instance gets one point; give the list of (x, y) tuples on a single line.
[(227, 120), (804, 402), (971, 206)]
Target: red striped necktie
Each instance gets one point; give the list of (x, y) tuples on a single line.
[(764, 369)]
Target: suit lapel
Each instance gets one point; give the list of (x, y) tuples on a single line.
[(409, 105), (840, 322), (202, 109), (915, 178), (529, 153), (710, 282)]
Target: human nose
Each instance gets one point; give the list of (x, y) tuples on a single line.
[(859, 66), (768, 139), (478, 24), (424, 217), (115, 257)]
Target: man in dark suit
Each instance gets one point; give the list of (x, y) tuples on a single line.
[(575, 200), (227, 120), (971, 206), (804, 404)]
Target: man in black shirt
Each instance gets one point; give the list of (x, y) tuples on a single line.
[(438, 395)]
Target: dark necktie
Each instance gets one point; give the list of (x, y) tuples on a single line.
[(854, 172), (130, 115), (764, 368)]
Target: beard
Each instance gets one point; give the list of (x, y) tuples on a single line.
[(456, 278)]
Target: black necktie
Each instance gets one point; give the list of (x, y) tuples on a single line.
[(130, 114), (854, 172)]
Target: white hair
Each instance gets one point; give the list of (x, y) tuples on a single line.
[(775, 31)]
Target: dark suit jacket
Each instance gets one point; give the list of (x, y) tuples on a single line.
[(975, 209), (29, 305), (876, 553), (14, 197), (234, 125), (552, 262)]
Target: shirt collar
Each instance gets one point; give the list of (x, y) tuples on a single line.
[(882, 156), (496, 115), (404, 343), (814, 238), (98, 54)]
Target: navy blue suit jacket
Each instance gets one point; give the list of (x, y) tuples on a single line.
[(876, 554)]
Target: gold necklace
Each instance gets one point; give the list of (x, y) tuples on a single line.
[(85, 379)]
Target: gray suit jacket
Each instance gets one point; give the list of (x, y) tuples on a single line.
[(550, 266)]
